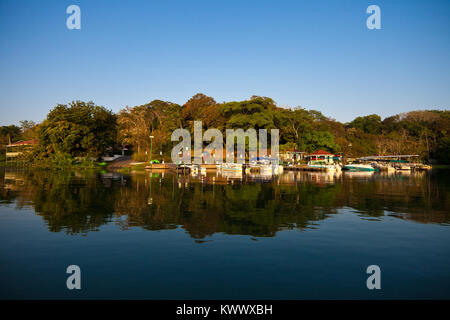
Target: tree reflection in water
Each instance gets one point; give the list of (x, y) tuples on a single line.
[(80, 202)]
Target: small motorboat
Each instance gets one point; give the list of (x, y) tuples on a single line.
[(358, 167)]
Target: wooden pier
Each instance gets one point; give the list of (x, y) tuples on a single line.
[(161, 166)]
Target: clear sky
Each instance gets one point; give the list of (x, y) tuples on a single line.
[(316, 54)]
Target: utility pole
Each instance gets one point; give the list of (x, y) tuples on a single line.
[(151, 148)]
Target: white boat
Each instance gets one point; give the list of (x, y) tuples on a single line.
[(403, 167), (325, 167), (382, 167), (358, 167), (265, 166), (231, 167), (261, 165), (278, 169), (265, 169)]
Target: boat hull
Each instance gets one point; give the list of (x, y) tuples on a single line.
[(327, 168), (359, 168)]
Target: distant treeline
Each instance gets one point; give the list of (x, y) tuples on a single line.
[(82, 129)]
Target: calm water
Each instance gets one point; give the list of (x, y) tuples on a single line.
[(159, 236)]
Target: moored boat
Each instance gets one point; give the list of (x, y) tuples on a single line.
[(324, 161), (265, 166), (324, 167), (358, 167), (231, 167), (403, 167)]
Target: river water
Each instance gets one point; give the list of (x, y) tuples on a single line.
[(165, 236)]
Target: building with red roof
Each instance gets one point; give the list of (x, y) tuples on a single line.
[(320, 152), (23, 143), (15, 149), (325, 156)]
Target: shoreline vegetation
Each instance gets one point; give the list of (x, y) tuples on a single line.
[(78, 134)]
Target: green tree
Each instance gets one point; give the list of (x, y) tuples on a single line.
[(9, 133), (157, 118), (368, 124), (257, 113), (78, 129)]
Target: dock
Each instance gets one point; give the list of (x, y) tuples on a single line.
[(161, 166)]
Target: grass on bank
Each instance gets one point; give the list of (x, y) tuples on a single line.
[(56, 162)]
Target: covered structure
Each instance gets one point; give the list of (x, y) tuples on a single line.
[(324, 156), (14, 150), (292, 155), (390, 158)]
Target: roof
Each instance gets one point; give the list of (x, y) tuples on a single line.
[(23, 143), (389, 157), (321, 152)]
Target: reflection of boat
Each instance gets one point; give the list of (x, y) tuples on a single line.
[(358, 167), (112, 175), (321, 177), (256, 177), (359, 174), (232, 174)]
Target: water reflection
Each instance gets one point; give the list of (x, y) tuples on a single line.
[(207, 203)]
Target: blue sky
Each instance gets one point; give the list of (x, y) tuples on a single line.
[(315, 54)]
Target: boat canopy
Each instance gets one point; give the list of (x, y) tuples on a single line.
[(387, 158)]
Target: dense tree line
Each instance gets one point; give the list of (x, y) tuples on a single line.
[(82, 129)]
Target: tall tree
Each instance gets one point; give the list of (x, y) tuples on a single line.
[(157, 119), (77, 129), (9, 133), (257, 113)]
